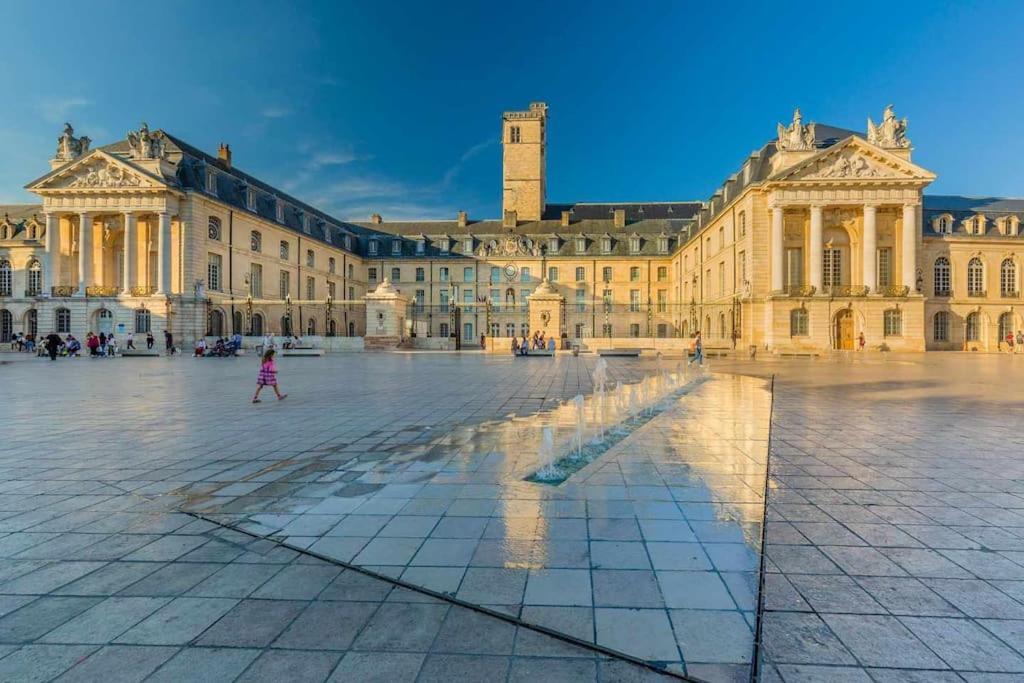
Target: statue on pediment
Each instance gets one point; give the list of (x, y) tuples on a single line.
[(146, 145), (890, 133), (69, 147), (796, 136)]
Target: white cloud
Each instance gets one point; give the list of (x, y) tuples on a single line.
[(273, 112), (451, 173), (58, 109)]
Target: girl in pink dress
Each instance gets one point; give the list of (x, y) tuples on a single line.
[(268, 377)]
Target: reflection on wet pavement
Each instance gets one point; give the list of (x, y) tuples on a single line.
[(651, 550)]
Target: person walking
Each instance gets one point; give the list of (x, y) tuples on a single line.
[(149, 340), (169, 342), (698, 350), (515, 346), (53, 342), (1009, 342), (1020, 341), (268, 376), (861, 342)]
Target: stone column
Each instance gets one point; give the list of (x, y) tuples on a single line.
[(84, 252), (870, 255), (52, 245), (163, 259), (815, 256), (778, 252), (910, 246), (130, 251)]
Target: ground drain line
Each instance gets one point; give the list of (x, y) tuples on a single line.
[(756, 656), (461, 603)]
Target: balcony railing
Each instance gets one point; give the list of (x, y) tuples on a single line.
[(894, 290), (100, 290), (977, 293), (1010, 295), (5, 292), (943, 292), (142, 290), (802, 290), (63, 290), (34, 291), (846, 290)]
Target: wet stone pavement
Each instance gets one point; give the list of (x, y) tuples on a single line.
[(895, 519)]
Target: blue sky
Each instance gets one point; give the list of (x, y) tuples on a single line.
[(395, 107)]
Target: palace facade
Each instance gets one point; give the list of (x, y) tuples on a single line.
[(822, 235)]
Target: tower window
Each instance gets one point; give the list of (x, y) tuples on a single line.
[(514, 134)]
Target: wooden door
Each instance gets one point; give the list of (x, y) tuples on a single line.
[(844, 331)]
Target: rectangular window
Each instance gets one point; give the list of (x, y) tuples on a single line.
[(893, 323), (396, 274), (606, 274), (552, 274), (514, 134), (831, 268), (721, 238), (373, 247), (634, 330), (371, 274), (421, 247), (467, 245), (332, 290), (495, 298), (444, 329), (581, 299), (721, 278), (284, 284), (524, 302), (467, 296), (495, 275), (581, 245), (885, 267), (581, 274), (794, 268), (606, 329), (467, 274), (634, 274), (662, 273), (606, 298), (213, 266), (741, 259), (662, 300), (444, 302), (420, 275), (420, 297), (442, 244), (442, 274), (256, 280), (211, 182), (743, 223), (396, 247), (351, 293), (525, 274), (310, 288), (634, 301)]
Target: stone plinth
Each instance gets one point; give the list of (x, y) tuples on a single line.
[(385, 317)]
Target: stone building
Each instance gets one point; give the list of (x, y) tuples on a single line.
[(821, 236)]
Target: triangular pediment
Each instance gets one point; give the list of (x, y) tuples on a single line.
[(97, 170), (853, 159)]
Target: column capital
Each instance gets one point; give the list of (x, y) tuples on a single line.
[(817, 205), (911, 206), (870, 206)]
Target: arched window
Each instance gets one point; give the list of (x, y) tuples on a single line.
[(6, 326), (1005, 326), (942, 277), (311, 327), (892, 323), (216, 323), (351, 329), (940, 326), (34, 284), (972, 333), (1008, 277), (944, 225), (257, 325), (143, 321), (975, 277), (256, 241), (332, 328), (5, 277), (237, 324), (62, 321), (798, 322), (707, 326), (214, 228)]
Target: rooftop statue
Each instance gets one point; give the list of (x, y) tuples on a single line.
[(69, 147), (796, 136), (146, 145), (891, 132)]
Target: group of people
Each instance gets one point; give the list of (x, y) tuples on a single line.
[(537, 342), (1013, 344), (23, 342), (221, 348)]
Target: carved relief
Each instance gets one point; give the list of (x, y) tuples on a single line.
[(890, 133), (796, 136), (105, 174), (69, 147), (510, 245), (854, 166)]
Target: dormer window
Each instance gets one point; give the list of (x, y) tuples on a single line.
[(305, 223), (634, 244), (442, 244), (663, 244), (552, 245), (373, 246), (467, 245), (348, 242), (250, 199), (211, 182), (945, 225), (279, 210), (581, 245), (327, 234), (606, 245), (396, 247), (421, 247)]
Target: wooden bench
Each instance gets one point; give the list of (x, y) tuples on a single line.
[(629, 353)]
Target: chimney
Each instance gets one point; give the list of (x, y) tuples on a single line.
[(565, 219), (619, 219), (224, 154), (376, 219), (463, 219), (509, 219)]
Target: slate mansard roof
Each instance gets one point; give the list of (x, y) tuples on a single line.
[(963, 208), (17, 216)]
